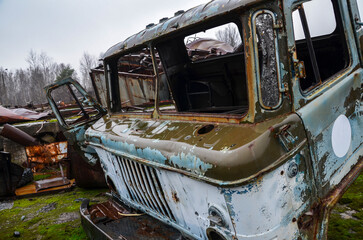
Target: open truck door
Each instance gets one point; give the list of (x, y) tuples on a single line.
[(75, 110)]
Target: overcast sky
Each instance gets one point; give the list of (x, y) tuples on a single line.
[(64, 29)]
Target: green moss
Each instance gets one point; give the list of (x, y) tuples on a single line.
[(36, 121), (69, 230), (348, 229), (41, 176), (44, 224)]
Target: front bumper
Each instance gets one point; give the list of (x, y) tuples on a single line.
[(112, 220)]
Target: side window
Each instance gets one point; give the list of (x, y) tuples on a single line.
[(217, 41), (320, 41), (205, 70), (132, 82), (99, 85), (269, 90)]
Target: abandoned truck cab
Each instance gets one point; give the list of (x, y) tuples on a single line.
[(254, 134)]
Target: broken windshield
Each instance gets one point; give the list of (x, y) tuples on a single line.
[(205, 70)]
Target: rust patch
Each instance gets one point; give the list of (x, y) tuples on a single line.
[(107, 210), (46, 154), (350, 100), (302, 102), (314, 223), (175, 197)]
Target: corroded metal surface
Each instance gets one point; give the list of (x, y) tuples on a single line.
[(138, 89), (99, 84), (178, 23), (111, 220), (30, 190), (47, 153), (235, 152), (259, 174), (314, 223), (86, 175), (51, 183), (19, 115)]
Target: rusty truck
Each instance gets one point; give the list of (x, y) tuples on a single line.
[(204, 137)]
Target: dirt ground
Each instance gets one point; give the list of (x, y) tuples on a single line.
[(57, 216)]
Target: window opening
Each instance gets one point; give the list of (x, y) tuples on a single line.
[(320, 41), (320, 22), (73, 106), (310, 47), (267, 59), (205, 71), (133, 81), (217, 41)]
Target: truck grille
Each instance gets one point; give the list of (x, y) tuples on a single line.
[(143, 186)]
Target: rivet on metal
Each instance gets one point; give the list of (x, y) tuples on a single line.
[(292, 170)]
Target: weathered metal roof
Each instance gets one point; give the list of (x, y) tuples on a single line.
[(178, 22)]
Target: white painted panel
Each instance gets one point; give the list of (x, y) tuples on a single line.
[(341, 136), (195, 198)]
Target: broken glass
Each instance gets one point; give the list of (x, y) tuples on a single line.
[(267, 60)]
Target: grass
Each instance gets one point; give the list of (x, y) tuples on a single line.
[(38, 177), (351, 202), (40, 224)]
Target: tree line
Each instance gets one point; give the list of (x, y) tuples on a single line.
[(22, 87)]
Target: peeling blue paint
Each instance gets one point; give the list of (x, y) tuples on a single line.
[(189, 161)]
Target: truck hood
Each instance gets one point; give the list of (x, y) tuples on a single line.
[(222, 154)]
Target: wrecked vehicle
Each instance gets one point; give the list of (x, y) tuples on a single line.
[(256, 141)]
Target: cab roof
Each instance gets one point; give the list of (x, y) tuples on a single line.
[(178, 22)]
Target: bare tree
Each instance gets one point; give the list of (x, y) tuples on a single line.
[(230, 35), (32, 59), (22, 86), (87, 62), (48, 67), (3, 86)]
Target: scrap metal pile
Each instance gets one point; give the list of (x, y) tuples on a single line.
[(35, 147)]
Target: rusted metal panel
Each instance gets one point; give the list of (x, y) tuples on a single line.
[(86, 175), (99, 84), (314, 223), (19, 115), (139, 89), (179, 22), (31, 190), (111, 220), (47, 153), (51, 183), (241, 146)]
